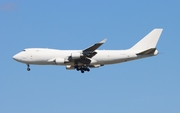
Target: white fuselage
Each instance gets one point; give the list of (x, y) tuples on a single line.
[(82, 60), (43, 56)]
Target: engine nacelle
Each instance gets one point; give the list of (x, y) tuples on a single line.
[(59, 61), (75, 55), (69, 67)]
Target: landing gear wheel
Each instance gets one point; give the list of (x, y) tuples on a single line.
[(82, 71), (82, 68), (78, 69), (88, 69), (28, 69)]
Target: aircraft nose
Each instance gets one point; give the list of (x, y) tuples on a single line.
[(16, 57)]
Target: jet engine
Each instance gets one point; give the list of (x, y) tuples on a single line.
[(59, 61), (76, 55)]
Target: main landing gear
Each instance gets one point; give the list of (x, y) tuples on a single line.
[(28, 67), (82, 68)]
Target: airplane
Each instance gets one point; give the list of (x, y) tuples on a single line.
[(83, 60)]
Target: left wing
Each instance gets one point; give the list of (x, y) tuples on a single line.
[(90, 51)]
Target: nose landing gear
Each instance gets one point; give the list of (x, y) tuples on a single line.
[(28, 67)]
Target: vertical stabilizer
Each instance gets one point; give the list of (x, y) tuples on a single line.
[(149, 41)]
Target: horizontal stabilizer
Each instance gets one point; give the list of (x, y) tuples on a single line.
[(147, 52)]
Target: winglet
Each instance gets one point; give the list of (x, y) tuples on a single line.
[(103, 41)]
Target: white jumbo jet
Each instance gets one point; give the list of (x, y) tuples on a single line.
[(82, 60)]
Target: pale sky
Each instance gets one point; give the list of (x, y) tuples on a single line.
[(148, 85)]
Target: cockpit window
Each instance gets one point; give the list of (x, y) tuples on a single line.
[(24, 50)]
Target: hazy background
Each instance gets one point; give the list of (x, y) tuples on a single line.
[(149, 85)]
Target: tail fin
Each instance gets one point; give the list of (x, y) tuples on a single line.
[(149, 41)]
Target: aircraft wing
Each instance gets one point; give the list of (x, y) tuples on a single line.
[(90, 51)]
